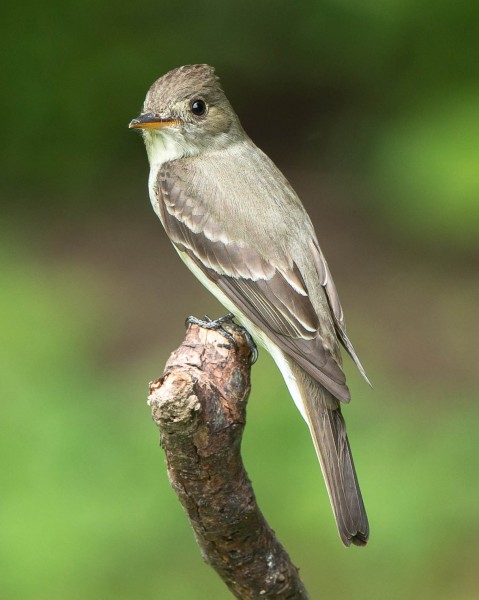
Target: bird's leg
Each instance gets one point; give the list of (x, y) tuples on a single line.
[(217, 324)]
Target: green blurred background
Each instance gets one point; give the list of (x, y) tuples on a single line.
[(371, 110)]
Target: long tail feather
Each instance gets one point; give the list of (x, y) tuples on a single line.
[(328, 431)]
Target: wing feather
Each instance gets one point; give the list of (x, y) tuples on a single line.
[(335, 305), (273, 297)]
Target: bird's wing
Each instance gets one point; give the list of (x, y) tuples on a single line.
[(334, 303), (272, 296)]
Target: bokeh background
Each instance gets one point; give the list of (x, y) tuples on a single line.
[(371, 110)]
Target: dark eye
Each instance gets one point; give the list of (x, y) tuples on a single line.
[(198, 107)]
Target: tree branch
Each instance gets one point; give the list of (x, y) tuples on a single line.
[(199, 406)]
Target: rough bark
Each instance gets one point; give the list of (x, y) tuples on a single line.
[(199, 406)]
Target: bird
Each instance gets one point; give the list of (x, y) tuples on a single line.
[(239, 226)]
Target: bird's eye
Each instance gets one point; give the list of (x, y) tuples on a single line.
[(198, 107)]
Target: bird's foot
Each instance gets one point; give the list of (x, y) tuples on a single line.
[(217, 325), (253, 348)]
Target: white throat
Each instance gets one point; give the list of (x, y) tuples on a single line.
[(162, 148)]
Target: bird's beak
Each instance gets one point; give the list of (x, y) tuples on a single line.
[(151, 121)]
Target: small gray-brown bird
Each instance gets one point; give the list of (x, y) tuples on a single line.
[(239, 226)]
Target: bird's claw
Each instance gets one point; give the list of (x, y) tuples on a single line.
[(253, 348), (217, 325)]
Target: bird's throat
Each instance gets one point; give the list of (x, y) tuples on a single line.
[(162, 147)]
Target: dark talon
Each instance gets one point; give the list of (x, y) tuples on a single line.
[(252, 346), (216, 324)]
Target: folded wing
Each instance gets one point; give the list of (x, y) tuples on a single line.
[(273, 297)]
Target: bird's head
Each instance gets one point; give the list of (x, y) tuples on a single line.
[(186, 109)]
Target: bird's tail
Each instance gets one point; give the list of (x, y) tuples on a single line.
[(328, 430)]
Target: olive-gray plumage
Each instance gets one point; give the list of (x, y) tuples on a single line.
[(240, 227)]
